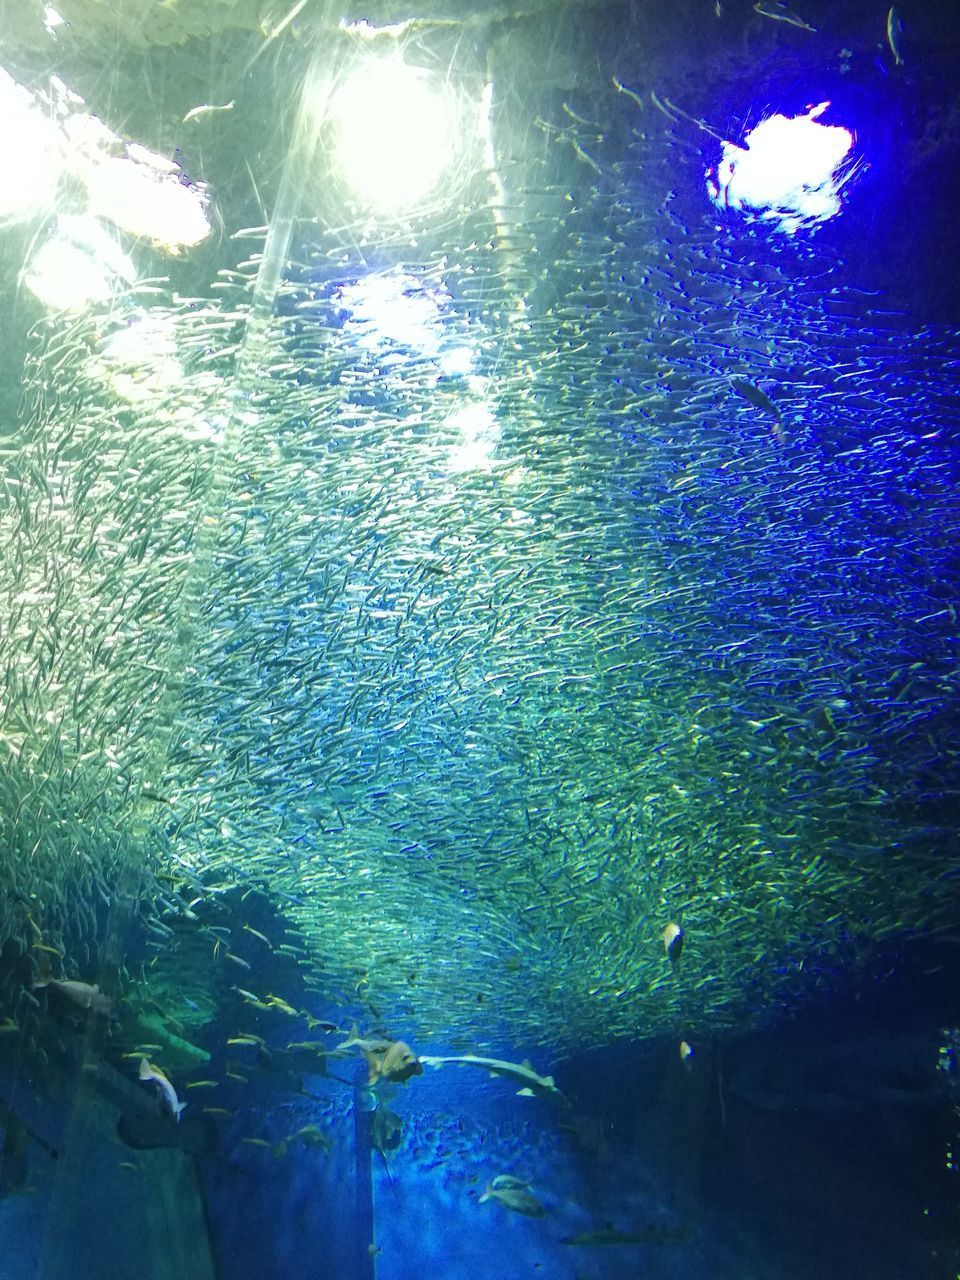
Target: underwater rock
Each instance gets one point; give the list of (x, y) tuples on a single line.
[(144, 1129)]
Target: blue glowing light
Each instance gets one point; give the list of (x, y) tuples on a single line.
[(791, 170)]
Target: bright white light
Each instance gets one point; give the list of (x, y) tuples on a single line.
[(32, 154), (143, 195), (140, 361), (395, 134), (367, 31), (78, 266), (140, 192), (479, 436), (791, 170), (456, 363), (48, 139), (396, 308), (52, 19)]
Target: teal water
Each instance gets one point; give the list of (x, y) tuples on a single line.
[(409, 615)]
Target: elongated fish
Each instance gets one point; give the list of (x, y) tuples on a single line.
[(895, 35), (522, 1073), (781, 12)]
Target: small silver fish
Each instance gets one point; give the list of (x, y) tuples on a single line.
[(895, 35), (781, 12), (206, 109)]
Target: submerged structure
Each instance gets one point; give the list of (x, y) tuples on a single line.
[(478, 585)]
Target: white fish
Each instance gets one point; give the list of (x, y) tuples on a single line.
[(206, 109), (167, 1091), (533, 1085)]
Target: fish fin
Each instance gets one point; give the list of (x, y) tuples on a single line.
[(525, 1093), (352, 1038), (548, 1082), (145, 1070)]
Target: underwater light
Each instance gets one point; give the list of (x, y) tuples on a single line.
[(394, 308), (395, 137), (790, 171), (32, 154), (142, 193), (52, 146), (52, 19), (80, 265), (479, 432), (458, 362), (139, 361)]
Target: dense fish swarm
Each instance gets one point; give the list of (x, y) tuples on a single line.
[(483, 724)]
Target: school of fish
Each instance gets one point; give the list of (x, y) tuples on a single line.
[(672, 665)]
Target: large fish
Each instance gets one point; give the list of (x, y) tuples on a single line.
[(513, 1194), (390, 1060), (80, 995), (168, 1094), (531, 1084), (386, 1130)]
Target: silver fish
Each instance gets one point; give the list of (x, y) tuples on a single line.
[(154, 1075), (531, 1084), (895, 35), (781, 12)]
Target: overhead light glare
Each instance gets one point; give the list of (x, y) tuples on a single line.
[(791, 170), (394, 133)]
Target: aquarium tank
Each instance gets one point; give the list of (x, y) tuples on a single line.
[(479, 640)]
